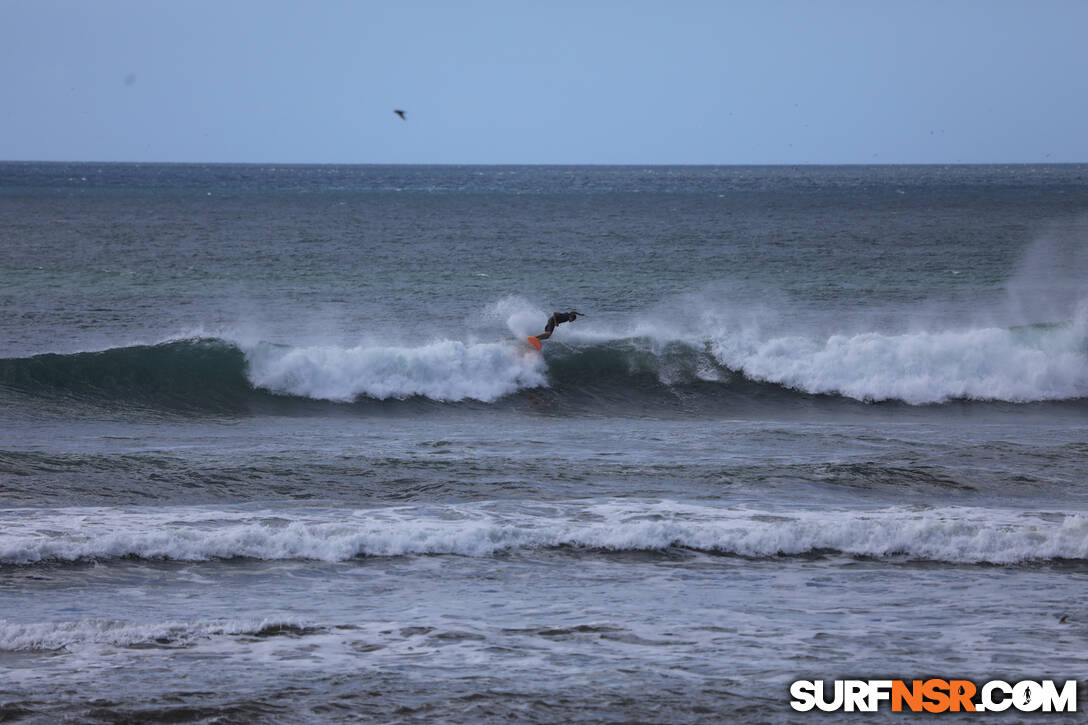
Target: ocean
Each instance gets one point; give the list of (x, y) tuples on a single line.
[(273, 447)]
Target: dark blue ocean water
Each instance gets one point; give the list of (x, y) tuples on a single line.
[(273, 447)]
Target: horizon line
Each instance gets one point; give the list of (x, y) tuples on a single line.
[(547, 164)]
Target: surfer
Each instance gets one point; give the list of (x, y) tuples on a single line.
[(556, 319)]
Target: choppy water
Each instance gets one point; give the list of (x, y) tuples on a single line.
[(272, 447)]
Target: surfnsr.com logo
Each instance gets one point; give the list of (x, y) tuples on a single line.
[(934, 695)]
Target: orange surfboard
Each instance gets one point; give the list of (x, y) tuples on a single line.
[(534, 342)]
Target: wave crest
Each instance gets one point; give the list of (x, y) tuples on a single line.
[(953, 534)]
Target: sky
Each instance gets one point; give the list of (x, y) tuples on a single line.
[(545, 81)]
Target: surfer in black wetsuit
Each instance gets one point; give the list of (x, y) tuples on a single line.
[(555, 319)]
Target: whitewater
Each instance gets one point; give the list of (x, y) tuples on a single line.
[(955, 535)]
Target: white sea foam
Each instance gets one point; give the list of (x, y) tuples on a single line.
[(47, 636), (955, 534), (445, 370), (1016, 365)]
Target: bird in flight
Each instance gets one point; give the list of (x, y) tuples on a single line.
[(400, 113)]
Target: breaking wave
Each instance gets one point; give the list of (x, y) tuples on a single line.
[(1018, 365), (961, 535), (1028, 364), (216, 374)]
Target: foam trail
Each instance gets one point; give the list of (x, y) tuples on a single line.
[(50, 636), (952, 534)]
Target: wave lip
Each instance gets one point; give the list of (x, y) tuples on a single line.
[(954, 535)]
